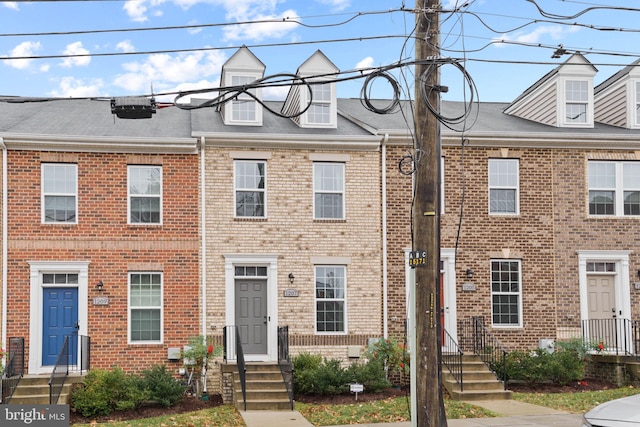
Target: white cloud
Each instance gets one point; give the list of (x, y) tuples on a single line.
[(125, 46), (554, 31), (71, 87), (11, 5), (336, 5), (75, 49), (365, 63), (24, 49), (275, 93), (261, 31), (164, 70)]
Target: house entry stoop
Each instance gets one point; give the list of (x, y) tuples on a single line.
[(478, 382), (265, 388), (34, 390)]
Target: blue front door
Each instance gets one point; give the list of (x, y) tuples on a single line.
[(59, 319)]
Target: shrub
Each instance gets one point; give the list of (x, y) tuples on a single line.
[(315, 375), (163, 388), (370, 374), (565, 365), (393, 355), (105, 391)]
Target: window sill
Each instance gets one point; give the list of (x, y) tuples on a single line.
[(250, 219), (330, 220)]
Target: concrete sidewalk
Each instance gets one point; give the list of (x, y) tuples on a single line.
[(512, 413)]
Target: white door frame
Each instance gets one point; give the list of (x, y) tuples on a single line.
[(271, 262), (448, 258), (621, 280), (36, 301)]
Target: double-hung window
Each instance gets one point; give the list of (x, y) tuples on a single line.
[(506, 293), (319, 112), (328, 188), (145, 194), (145, 307), (577, 101), (504, 186), (614, 188), (59, 193), (243, 108), (330, 299), (250, 188)]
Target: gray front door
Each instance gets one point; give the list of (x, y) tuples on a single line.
[(251, 315)]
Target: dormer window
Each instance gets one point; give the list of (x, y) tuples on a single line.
[(576, 101), (320, 92), (319, 112), (243, 108)]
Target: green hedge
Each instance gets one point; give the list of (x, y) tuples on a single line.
[(103, 392), (314, 374)]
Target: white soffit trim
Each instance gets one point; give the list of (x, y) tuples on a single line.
[(113, 144), (299, 141)]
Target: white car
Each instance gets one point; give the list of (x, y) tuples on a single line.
[(624, 412)]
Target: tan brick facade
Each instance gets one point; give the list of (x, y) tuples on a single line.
[(298, 242)]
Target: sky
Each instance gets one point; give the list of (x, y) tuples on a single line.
[(112, 48)]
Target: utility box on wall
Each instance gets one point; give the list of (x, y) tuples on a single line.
[(547, 344)]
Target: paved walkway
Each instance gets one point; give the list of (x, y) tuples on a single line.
[(512, 414)]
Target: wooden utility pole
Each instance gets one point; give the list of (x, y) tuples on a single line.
[(426, 222)]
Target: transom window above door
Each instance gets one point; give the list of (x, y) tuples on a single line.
[(601, 267)]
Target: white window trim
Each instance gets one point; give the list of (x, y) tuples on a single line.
[(520, 294), (236, 189), (129, 195), (228, 106), (129, 308), (42, 193), (304, 99), (618, 190), (344, 300), (343, 192), (36, 298), (516, 188), (562, 100), (271, 262)]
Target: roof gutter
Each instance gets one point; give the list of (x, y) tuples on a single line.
[(385, 284), (3, 338)]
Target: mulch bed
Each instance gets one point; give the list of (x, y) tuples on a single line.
[(189, 404)]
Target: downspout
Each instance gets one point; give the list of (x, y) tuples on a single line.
[(385, 297), (3, 339), (203, 250)]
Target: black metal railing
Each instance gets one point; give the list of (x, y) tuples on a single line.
[(60, 372), (13, 370), (452, 358), (612, 336), (74, 356), (478, 339), (233, 351), (284, 361)]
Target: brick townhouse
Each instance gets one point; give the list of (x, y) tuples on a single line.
[(539, 211), (100, 233), (196, 222)]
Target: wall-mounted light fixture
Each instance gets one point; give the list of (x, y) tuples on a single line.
[(469, 273), (638, 274), (291, 278), (100, 286)]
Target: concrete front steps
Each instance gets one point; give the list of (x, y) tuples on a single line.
[(34, 390), (265, 389), (478, 382)]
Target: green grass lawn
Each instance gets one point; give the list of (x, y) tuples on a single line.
[(389, 410)]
